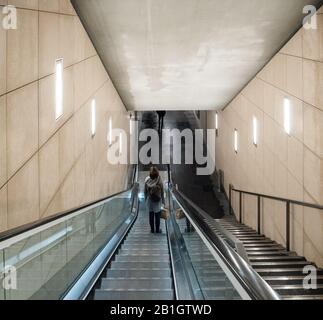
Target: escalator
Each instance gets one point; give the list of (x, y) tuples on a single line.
[(105, 251), (142, 268)]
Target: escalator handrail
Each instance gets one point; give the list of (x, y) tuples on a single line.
[(12, 233), (247, 277)]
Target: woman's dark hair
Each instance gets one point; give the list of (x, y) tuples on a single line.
[(154, 173)]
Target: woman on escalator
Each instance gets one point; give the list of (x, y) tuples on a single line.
[(154, 196)]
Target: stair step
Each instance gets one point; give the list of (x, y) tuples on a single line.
[(283, 271), (296, 289), (263, 246), (268, 253), (278, 264), (135, 283), (134, 294), (258, 242), (276, 258), (282, 280), (303, 297)]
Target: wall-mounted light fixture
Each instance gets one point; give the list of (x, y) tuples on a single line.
[(255, 130), (236, 141), (93, 117), (59, 88), (216, 124), (287, 116)]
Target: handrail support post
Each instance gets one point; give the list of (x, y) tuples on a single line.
[(230, 199), (288, 225), (240, 207), (259, 215)]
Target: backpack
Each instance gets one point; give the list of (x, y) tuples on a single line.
[(155, 193)]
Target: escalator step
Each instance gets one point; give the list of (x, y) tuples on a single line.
[(133, 283), (143, 250), (116, 265), (144, 294), (143, 257), (133, 273)]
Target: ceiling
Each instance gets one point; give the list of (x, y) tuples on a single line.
[(187, 54)]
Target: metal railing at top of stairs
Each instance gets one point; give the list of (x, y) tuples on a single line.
[(260, 196)]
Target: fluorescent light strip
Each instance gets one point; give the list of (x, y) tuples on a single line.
[(93, 117), (255, 131), (236, 140), (287, 116), (59, 88), (216, 121)]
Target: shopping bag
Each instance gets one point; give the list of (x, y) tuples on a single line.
[(179, 214), (164, 214)]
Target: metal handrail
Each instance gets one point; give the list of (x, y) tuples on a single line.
[(260, 196), (300, 203), (242, 273)]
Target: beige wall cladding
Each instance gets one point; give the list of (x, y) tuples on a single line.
[(313, 41), (58, 6), (50, 165), (47, 119), (49, 171), (313, 83), (3, 141), (22, 50), (3, 59), (23, 195), (22, 126), (56, 41), (313, 129), (289, 166), (3, 209), (25, 4)]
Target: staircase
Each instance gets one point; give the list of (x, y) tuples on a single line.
[(141, 269), (282, 270)]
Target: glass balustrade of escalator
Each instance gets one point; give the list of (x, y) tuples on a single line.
[(45, 261), (213, 281)]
